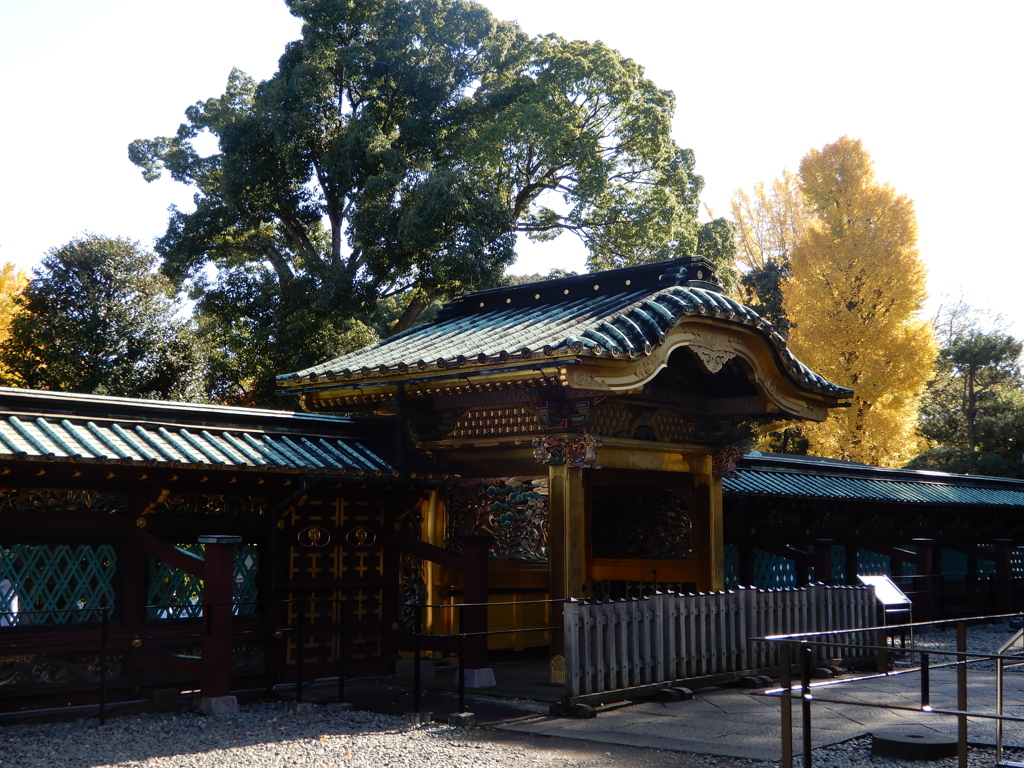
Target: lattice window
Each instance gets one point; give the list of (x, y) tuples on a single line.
[(986, 566), (1016, 564), (55, 583), (174, 594), (773, 572), (954, 564), (872, 564), (838, 564), (247, 565), (732, 566)]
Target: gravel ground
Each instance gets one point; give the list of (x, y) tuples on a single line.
[(981, 638), (270, 736), (856, 753)]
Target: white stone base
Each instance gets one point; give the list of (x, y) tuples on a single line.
[(478, 678), (218, 705)]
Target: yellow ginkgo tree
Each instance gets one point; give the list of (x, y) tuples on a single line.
[(13, 281), (854, 296)]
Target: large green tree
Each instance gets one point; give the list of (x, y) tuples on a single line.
[(394, 157), (973, 409), (98, 318)]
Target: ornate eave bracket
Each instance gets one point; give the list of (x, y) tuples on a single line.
[(713, 359)]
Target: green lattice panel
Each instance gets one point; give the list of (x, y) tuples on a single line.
[(872, 564), (1017, 564), (732, 566), (247, 565), (987, 563), (174, 594), (772, 571), (55, 584), (838, 564), (954, 564)]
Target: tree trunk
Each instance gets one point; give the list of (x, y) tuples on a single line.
[(412, 313)]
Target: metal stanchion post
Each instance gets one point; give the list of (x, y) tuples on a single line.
[(268, 648), (926, 698), (342, 650), (416, 662), (806, 654), (999, 710), (786, 680), (882, 654), (104, 636), (961, 694), (462, 661), (300, 643)]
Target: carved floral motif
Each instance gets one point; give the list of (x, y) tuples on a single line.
[(576, 451), (642, 523), (210, 504), (62, 501), (52, 670), (513, 510), (723, 463)]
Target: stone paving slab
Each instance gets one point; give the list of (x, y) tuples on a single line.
[(731, 722)]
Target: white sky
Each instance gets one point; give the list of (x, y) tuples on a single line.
[(933, 90)]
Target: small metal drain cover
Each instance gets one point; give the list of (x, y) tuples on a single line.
[(912, 744)]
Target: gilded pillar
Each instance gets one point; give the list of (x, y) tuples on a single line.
[(567, 533), (433, 532), (709, 535)]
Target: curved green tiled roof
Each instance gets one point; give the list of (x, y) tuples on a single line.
[(618, 313)]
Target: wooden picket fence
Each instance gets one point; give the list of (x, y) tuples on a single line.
[(616, 647)]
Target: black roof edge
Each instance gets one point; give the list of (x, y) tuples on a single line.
[(654, 276)]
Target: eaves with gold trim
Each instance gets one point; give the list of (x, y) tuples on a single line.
[(606, 332)]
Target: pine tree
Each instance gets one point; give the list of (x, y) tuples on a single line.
[(854, 296)]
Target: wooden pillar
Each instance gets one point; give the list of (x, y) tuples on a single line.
[(823, 561), (746, 564), (135, 583), (567, 555), (851, 564), (475, 548), (436, 621), (1004, 576), (708, 530), (567, 533), (923, 605), (218, 593)]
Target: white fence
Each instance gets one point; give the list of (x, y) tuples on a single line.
[(668, 637)]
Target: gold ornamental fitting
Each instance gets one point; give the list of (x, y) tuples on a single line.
[(137, 642)]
